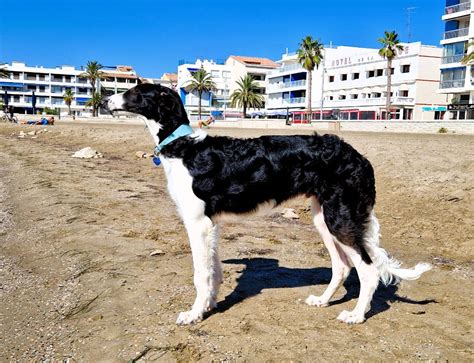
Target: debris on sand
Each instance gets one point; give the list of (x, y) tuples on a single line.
[(142, 155), (289, 213), (87, 153), (157, 253)]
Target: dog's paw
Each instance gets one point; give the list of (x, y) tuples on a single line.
[(351, 317), (188, 317), (316, 301)]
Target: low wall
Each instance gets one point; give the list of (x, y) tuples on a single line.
[(461, 127)]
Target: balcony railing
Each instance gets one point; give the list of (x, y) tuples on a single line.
[(455, 83), (294, 100), (452, 59), (290, 68), (456, 33), (457, 8), (370, 101)]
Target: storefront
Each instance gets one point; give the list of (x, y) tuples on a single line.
[(464, 111)]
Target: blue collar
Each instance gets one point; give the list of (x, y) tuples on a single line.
[(183, 130)]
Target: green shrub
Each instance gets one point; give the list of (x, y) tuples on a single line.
[(50, 111), (443, 130)]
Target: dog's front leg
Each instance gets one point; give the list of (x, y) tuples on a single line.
[(203, 236)]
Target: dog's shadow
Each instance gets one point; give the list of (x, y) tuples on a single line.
[(266, 273)]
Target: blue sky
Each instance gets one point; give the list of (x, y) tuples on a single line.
[(153, 35)]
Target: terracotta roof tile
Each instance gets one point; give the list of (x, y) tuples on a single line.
[(257, 62)]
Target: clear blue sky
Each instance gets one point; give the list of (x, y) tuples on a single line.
[(152, 35)]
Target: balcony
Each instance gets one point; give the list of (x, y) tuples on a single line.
[(455, 83), (456, 33), (294, 100), (452, 59), (373, 101), (277, 87), (449, 10), (290, 67)]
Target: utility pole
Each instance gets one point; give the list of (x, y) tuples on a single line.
[(322, 84), (409, 10)]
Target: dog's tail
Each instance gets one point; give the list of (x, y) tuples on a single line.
[(389, 268)]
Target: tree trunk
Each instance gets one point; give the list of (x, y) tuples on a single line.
[(310, 81), (199, 104), (69, 109), (93, 93), (245, 109), (389, 87)]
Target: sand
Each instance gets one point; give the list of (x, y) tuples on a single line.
[(77, 280)]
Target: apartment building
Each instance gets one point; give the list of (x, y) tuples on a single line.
[(351, 82), (225, 75), (49, 84), (457, 78)]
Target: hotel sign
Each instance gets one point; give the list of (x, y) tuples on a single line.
[(461, 107), (347, 61), (433, 108)]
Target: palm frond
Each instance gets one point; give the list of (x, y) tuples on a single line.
[(246, 95), (310, 53), (390, 45)]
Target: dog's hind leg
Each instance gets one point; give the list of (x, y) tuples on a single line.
[(340, 263), (203, 236), (369, 279)]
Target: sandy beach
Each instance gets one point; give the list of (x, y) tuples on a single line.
[(95, 264)]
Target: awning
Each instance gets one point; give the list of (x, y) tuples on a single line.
[(82, 99), (11, 84), (404, 87), (277, 113), (377, 89)]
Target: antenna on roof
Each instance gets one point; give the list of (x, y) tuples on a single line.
[(409, 10)]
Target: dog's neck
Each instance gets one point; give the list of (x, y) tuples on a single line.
[(160, 132)]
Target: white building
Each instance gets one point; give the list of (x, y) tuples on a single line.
[(354, 85), (49, 85), (225, 75), (457, 78)]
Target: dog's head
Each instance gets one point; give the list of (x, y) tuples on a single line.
[(155, 102)]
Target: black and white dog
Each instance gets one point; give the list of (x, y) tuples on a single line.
[(210, 178)]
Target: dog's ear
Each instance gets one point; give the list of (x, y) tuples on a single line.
[(141, 80)]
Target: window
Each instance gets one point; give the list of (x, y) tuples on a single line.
[(379, 72), (355, 75), (56, 78), (225, 74), (31, 87), (343, 77), (215, 73), (41, 77), (354, 96), (331, 98), (370, 74), (16, 98), (331, 78), (67, 79), (56, 89), (376, 95), (81, 91), (342, 97), (16, 75), (30, 76), (121, 80), (403, 93), (406, 68)]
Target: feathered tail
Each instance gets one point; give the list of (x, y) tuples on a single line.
[(389, 268)]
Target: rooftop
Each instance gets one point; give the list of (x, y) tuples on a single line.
[(257, 62)]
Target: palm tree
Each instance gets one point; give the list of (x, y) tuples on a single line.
[(246, 95), (93, 73), (68, 98), (3, 71), (469, 57), (94, 102), (390, 46), (310, 55), (201, 81)]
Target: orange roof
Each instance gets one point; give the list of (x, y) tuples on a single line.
[(256, 62), (172, 77), (119, 75)]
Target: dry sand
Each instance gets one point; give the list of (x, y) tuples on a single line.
[(77, 280)]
